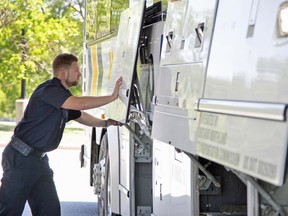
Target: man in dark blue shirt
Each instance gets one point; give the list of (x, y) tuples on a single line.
[(27, 174)]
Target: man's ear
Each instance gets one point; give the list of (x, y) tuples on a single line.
[(62, 73)]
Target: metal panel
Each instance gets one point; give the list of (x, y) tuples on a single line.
[(174, 126), (174, 120), (247, 69), (124, 62), (125, 171), (268, 111), (182, 72), (161, 179), (174, 183), (187, 31), (182, 192), (113, 136), (253, 146)]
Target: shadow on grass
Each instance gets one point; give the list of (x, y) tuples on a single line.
[(7, 127), (4, 127)]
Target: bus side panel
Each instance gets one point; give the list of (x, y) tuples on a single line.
[(247, 65), (97, 68), (113, 140), (174, 189), (125, 171), (186, 42)]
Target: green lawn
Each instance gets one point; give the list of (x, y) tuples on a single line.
[(72, 138)]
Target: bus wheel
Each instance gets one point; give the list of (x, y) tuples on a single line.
[(103, 178)]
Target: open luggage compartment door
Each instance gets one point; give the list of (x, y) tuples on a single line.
[(125, 59)]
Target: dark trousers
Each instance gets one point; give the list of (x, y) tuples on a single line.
[(27, 179)]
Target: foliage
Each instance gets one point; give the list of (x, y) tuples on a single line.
[(50, 27)]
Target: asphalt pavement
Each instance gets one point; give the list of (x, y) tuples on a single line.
[(72, 209)]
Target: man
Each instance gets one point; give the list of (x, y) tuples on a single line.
[(27, 175)]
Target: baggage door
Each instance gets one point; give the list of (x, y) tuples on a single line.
[(243, 114), (124, 60)]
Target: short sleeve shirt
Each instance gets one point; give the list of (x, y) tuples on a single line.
[(44, 120)]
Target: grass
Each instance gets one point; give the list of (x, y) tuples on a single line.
[(72, 137), (6, 127), (73, 130)]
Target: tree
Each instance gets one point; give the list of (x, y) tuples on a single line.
[(52, 27)]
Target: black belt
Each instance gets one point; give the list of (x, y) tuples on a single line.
[(24, 148)]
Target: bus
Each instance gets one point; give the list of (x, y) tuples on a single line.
[(203, 106)]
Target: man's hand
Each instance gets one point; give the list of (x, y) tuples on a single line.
[(113, 122), (118, 84)]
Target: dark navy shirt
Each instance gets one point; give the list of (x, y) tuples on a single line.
[(44, 120)]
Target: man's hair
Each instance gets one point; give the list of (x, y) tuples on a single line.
[(63, 60)]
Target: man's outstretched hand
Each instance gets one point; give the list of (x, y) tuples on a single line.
[(117, 87), (113, 122)]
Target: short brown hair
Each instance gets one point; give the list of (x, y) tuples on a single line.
[(63, 60)]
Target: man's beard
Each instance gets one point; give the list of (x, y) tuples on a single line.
[(70, 84)]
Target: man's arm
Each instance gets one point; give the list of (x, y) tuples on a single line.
[(92, 121), (89, 102)]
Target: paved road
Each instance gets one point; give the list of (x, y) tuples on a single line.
[(72, 182), (72, 209)]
